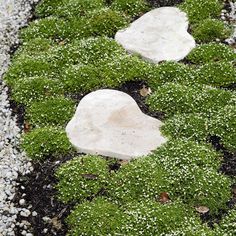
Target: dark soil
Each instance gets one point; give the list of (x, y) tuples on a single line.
[(37, 188), (163, 3)]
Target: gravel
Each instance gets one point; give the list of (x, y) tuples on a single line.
[(13, 15)]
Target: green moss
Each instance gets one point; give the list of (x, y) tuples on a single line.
[(28, 90), (70, 8), (81, 178), (199, 10), (187, 126), (33, 48), (191, 170), (29, 67), (138, 180), (137, 218), (223, 125), (131, 7), (53, 111), (49, 28), (175, 99), (111, 74), (212, 52), (153, 218), (47, 142), (47, 7), (170, 72), (227, 226), (94, 50), (99, 217), (211, 29), (105, 22), (184, 156), (217, 74)]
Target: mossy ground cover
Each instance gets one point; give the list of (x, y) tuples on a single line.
[(68, 51)]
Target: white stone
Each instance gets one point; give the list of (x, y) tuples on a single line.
[(110, 123), (159, 35)]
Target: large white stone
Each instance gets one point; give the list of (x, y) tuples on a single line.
[(158, 35), (110, 123)]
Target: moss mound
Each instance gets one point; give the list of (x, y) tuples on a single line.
[(51, 112), (211, 52), (47, 142), (81, 178)]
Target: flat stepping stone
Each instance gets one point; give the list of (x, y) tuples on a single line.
[(159, 35), (110, 123)]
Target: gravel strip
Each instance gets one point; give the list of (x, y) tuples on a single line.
[(13, 15)]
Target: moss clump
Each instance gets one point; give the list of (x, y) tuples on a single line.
[(94, 50), (46, 142), (105, 22), (187, 126), (217, 74), (212, 52), (53, 111), (136, 218), (47, 7), (211, 29), (199, 10), (153, 218), (108, 75), (131, 7), (138, 180), (99, 217), (68, 8), (170, 72), (227, 226), (34, 48), (81, 178), (177, 99), (49, 28), (191, 170), (223, 125), (32, 67), (28, 90)]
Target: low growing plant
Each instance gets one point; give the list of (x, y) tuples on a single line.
[(187, 126), (211, 52), (138, 180), (218, 74), (69, 8), (94, 50), (191, 170), (211, 29), (81, 178), (99, 217), (51, 112), (48, 28), (30, 67), (131, 7), (199, 10), (227, 226), (223, 125), (173, 99), (47, 142), (170, 72), (28, 90)]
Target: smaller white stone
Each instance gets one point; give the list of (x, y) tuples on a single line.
[(22, 202), (34, 213), (159, 35)]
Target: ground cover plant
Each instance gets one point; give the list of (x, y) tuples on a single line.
[(69, 51)]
